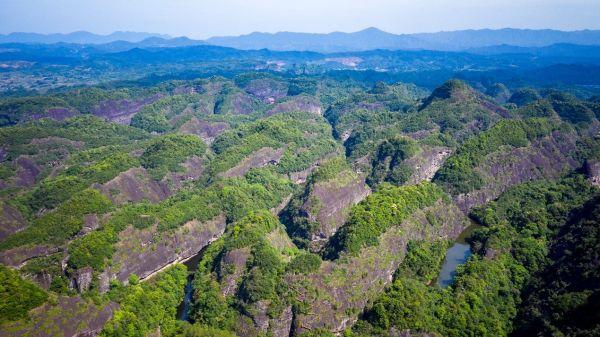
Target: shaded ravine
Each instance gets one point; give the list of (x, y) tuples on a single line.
[(456, 255), (183, 310)]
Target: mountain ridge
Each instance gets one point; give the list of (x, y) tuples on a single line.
[(374, 38), (370, 38), (82, 37)]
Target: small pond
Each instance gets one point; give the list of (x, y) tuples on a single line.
[(456, 255)]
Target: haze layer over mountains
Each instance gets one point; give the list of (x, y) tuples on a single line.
[(367, 39)]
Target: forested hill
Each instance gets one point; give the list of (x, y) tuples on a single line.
[(271, 203)]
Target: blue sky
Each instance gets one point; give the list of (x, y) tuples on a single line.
[(203, 18)]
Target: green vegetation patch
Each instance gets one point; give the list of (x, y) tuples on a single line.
[(306, 136), (387, 207), (261, 278), (387, 164), (165, 153), (92, 131), (143, 307), (17, 296), (61, 224), (458, 174), (486, 293), (155, 117)]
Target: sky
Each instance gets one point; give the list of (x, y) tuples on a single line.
[(202, 18)]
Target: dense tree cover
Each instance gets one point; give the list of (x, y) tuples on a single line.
[(17, 296), (524, 96), (539, 108), (335, 171), (365, 118), (329, 170), (53, 191), (459, 110), (155, 117), (260, 281), (375, 121), (423, 260), (61, 224), (304, 263), (305, 136), (165, 153), (562, 299), (50, 265), (13, 110), (388, 163), (302, 85), (445, 114), (232, 100), (569, 108), (234, 197), (499, 92), (197, 330), (485, 295), (145, 307), (458, 174), (84, 100), (387, 207), (92, 131)]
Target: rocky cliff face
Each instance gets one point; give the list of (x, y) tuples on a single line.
[(267, 89), (325, 206), (11, 220), (549, 157), (264, 156), (337, 292), (592, 171), (426, 163), (15, 257), (206, 130), (135, 184), (297, 103), (121, 111), (143, 252), (70, 317)]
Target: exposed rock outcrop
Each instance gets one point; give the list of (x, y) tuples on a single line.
[(69, 317), (340, 289), (121, 111), (144, 252), (206, 130), (267, 90), (231, 269), (260, 158), (83, 279), (57, 114), (15, 257), (297, 103), (134, 185), (193, 169), (592, 171), (548, 157), (27, 171), (11, 220), (326, 205)]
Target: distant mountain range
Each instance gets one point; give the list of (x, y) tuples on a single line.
[(373, 38), (81, 37), (483, 41)]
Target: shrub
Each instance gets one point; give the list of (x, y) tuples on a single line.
[(17, 296)]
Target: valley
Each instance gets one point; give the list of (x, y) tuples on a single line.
[(202, 190)]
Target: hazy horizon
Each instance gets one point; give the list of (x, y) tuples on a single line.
[(203, 19), (286, 31)]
